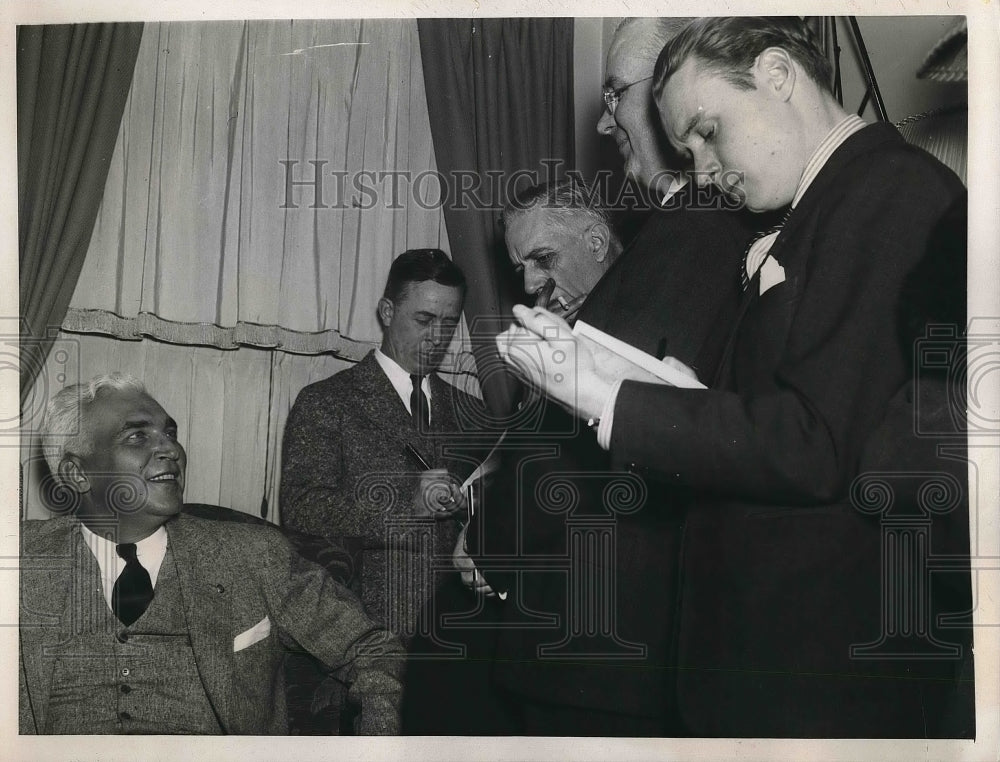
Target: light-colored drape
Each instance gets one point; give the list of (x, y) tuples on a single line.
[(249, 200)]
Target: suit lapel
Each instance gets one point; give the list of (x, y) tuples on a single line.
[(383, 407), (859, 143), (723, 375), (49, 571), (379, 401), (208, 610)]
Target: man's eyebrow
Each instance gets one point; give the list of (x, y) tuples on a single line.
[(141, 423), (135, 423), (692, 123), (538, 252)]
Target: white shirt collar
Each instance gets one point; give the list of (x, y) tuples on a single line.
[(678, 181), (149, 551), (833, 140), (400, 380)]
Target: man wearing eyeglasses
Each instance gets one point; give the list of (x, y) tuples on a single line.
[(691, 240), (629, 115)]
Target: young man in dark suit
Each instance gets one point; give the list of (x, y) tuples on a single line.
[(363, 458), (783, 628), (136, 618)]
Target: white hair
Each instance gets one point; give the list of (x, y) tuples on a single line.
[(61, 431), (657, 32), (568, 203)]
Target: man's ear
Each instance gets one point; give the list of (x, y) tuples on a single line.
[(72, 474), (598, 240), (775, 72), (385, 311)]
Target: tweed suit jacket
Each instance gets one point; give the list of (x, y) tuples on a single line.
[(781, 569), (232, 577), (346, 476)]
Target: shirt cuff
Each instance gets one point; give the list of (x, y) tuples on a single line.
[(608, 417)]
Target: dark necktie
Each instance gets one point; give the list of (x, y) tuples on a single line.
[(133, 589), (771, 234), (418, 405)]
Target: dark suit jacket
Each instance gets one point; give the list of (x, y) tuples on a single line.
[(232, 576), (781, 573), (662, 295), (345, 475)]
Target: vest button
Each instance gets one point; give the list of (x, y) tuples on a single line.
[(125, 716), (126, 689), (122, 637), (220, 589), (126, 672)]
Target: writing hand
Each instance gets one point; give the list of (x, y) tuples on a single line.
[(438, 494)]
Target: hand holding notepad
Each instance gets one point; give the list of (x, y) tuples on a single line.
[(579, 367)]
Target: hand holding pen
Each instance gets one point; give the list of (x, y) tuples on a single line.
[(438, 493)]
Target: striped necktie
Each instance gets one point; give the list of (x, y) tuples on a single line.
[(758, 248)]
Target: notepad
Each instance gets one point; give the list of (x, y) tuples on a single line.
[(619, 360)]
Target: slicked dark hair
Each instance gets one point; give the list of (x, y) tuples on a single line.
[(418, 265), (729, 45)]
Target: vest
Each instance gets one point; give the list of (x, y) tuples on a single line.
[(138, 679)]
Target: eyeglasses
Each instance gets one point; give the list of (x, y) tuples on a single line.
[(612, 95)]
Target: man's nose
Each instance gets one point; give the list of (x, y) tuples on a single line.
[(168, 447), (534, 279), (436, 334), (606, 124)]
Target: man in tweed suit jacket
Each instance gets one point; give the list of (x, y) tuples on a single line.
[(347, 472), (223, 603)]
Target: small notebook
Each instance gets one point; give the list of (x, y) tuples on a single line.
[(619, 360)]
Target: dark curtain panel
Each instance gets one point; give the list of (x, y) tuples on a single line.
[(500, 97), (72, 83)]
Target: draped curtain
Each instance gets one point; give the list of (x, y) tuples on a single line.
[(72, 82), (250, 200), (500, 99)]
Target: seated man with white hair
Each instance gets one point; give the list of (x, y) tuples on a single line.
[(137, 618)]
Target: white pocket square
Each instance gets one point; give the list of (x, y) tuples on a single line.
[(254, 635), (771, 274)]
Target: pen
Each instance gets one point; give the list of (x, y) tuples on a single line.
[(412, 452)]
